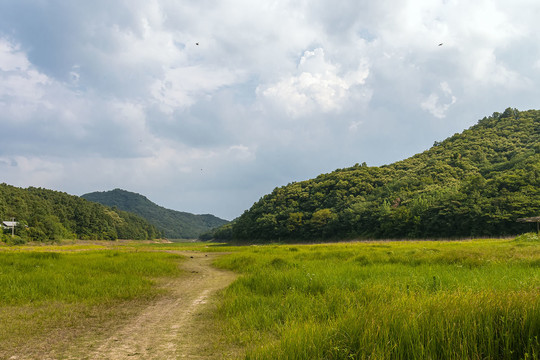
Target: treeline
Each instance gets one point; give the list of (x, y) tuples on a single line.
[(44, 215), (172, 224), (476, 183)]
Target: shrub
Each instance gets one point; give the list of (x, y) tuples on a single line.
[(528, 237)]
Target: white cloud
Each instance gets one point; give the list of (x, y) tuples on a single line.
[(489, 71), (355, 125), (318, 85), (31, 170), (11, 58), (437, 106), (21, 85), (182, 87), (241, 152)]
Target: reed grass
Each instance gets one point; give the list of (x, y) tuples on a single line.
[(391, 300)]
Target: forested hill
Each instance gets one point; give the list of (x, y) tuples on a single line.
[(51, 215), (173, 224), (476, 183)]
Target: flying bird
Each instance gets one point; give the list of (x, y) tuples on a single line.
[(439, 44), (198, 44)]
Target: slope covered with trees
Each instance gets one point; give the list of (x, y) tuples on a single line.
[(173, 224), (476, 183), (51, 215)]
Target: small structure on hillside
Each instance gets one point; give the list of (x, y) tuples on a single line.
[(10, 225), (535, 219)]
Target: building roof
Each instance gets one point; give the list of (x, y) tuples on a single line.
[(530, 219)]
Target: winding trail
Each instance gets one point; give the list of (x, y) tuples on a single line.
[(170, 328)]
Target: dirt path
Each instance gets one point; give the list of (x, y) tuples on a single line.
[(171, 328)]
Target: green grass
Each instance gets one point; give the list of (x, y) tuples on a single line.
[(388, 300), (90, 277), (56, 294), (180, 246), (369, 300)]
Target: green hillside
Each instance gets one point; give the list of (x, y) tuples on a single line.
[(476, 183), (173, 224), (51, 215)]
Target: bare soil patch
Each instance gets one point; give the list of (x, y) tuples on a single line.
[(173, 326)]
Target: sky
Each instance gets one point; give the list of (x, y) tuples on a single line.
[(206, 106)]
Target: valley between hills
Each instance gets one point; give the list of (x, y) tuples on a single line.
[(421, 258)]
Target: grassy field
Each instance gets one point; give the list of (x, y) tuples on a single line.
[(386, 300), (52, 295), (477, 299)]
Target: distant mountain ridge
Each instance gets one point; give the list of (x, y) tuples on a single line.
[(476, 183), (173, 224), (45, 215)]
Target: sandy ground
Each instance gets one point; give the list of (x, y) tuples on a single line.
[(173, 327)]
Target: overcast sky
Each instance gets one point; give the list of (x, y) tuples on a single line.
[(104, 94)]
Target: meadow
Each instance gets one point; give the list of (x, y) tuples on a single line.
[(53, 295), (476, 299), (386, 300)]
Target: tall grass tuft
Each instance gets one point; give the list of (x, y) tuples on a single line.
[(400, 300)]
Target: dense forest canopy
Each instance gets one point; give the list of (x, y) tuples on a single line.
[(476, 183), (51, 215), (173, 224)]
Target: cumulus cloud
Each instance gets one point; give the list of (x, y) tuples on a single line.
[(21, 85), (439, 103), (490, 71), (317, 85), (182, 87), (11, 58)]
